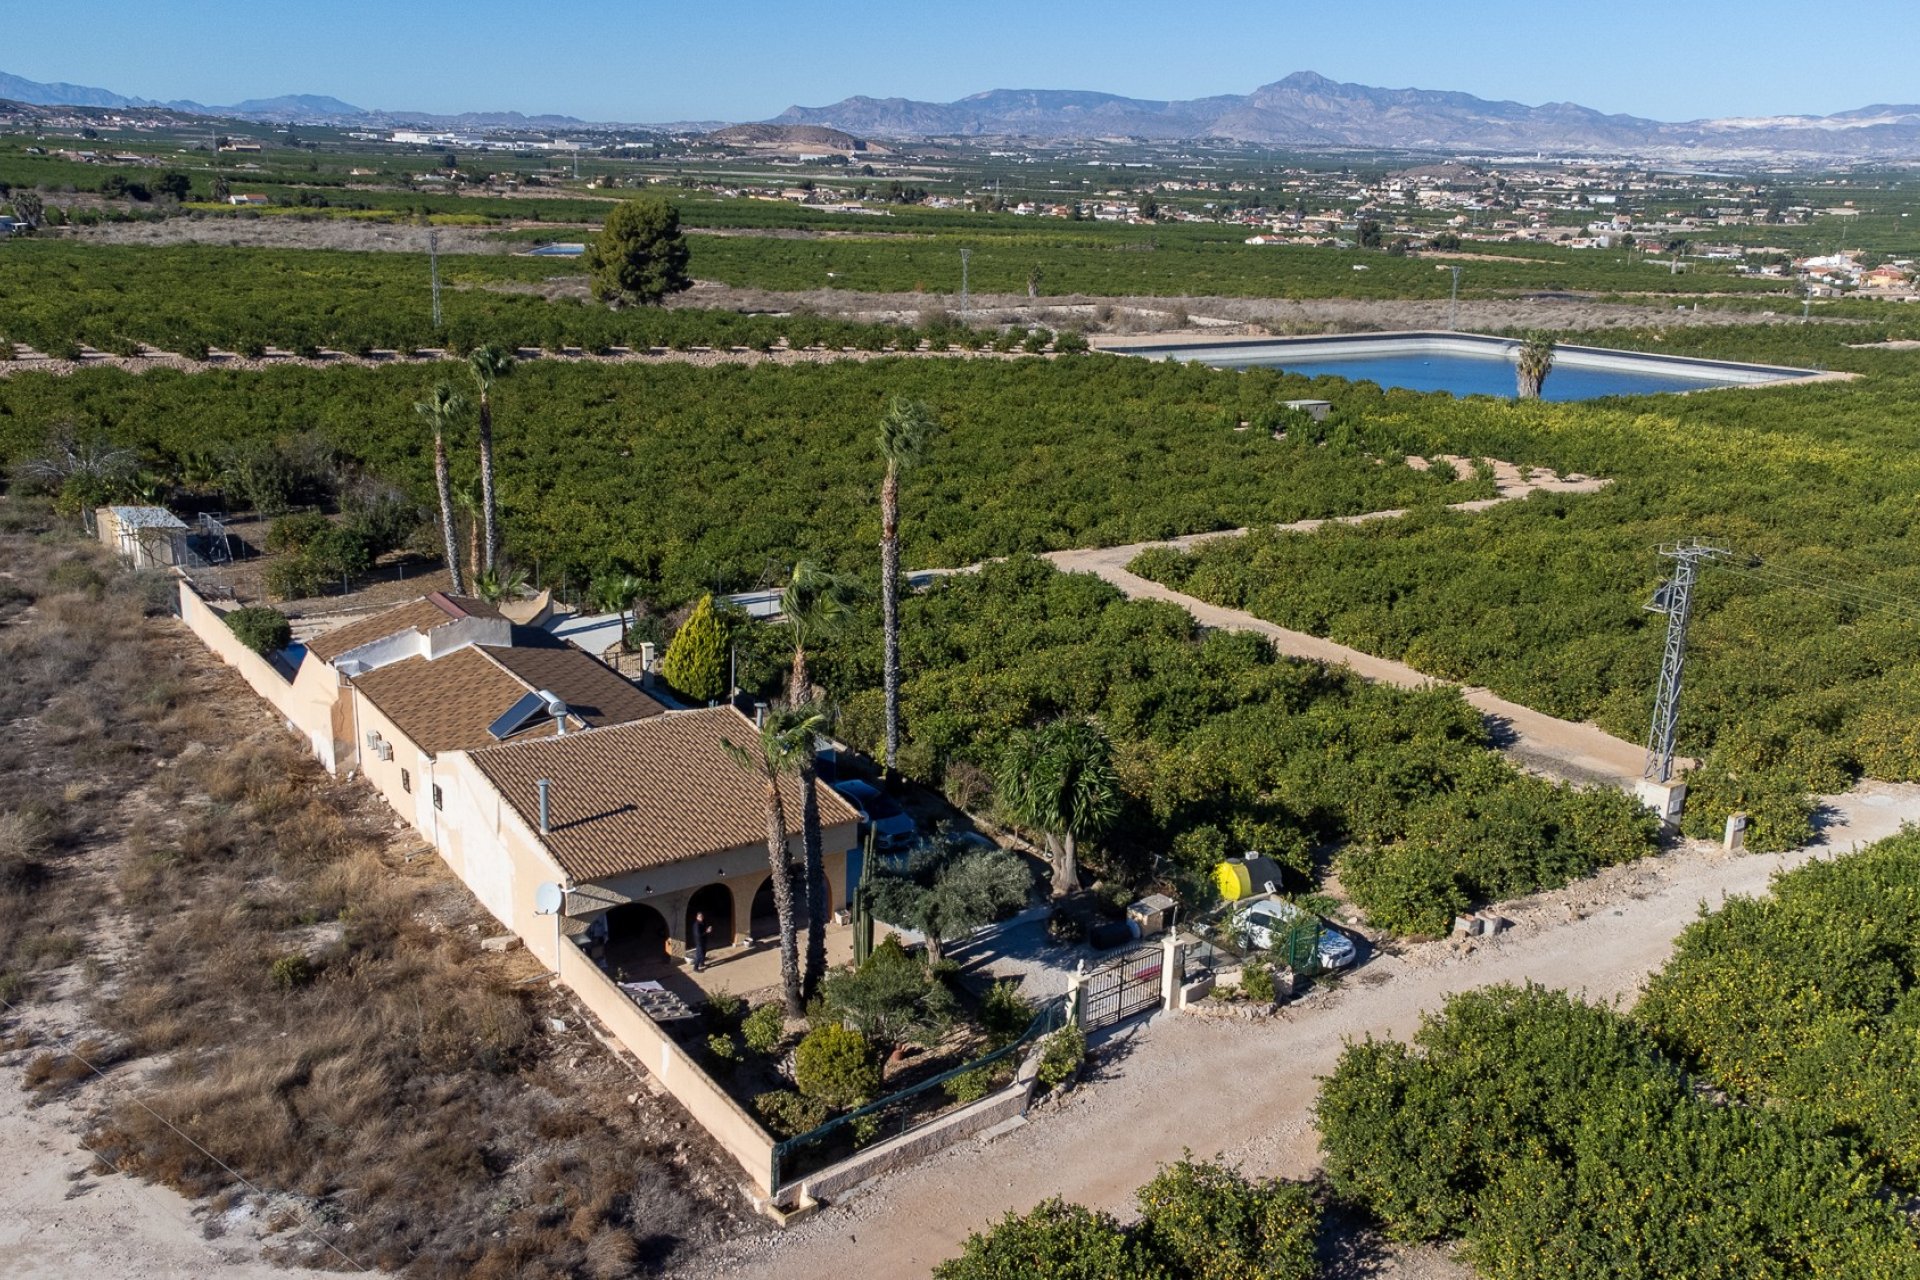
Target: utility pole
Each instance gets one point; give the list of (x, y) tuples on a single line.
[(433, 266), (1453, 301), (1675, 599), (964, 255)]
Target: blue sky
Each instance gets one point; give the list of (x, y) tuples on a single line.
[(643, 60)]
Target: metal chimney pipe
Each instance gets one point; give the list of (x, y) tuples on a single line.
[(759, 715), (545, 809)]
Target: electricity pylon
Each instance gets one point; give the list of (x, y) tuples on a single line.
[(1675, 599)]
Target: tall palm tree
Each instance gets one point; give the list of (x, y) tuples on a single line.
[(815, 603), (1059, 780), (467, 503), (1532, 365), (489, 364), (775, 754), (442, 410), (906, 430)]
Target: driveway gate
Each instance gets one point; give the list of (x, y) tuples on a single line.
[(1122, 987)]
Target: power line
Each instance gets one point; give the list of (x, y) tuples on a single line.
[(231, 1172)]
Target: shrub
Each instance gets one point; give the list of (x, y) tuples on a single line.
[(1406, 888), (835, 1065), (1069, 342), (764, 1028), (788, 1114), (1256, 980), (260, 628), (1005, 1014), (1556, 1139), (1060, 1059), (1053, 1239), (291, 972), (724, 1050), (296, 533), (970, 1086), (1209, 1222)]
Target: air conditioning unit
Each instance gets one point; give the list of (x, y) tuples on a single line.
[(384, 750), (373, 740)]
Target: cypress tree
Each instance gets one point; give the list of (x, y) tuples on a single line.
[(695, 664)]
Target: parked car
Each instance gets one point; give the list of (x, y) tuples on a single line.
[(893, 828), (1265, 921)]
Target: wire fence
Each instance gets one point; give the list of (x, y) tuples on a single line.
[(900, 1112)]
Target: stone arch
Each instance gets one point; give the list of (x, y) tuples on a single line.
[(715, 901)]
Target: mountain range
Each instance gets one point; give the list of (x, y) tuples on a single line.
[(1302, 111), (1306, 110)]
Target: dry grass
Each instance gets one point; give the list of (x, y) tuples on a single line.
[(284, 986)]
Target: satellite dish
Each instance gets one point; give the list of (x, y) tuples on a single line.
[(548, 899)]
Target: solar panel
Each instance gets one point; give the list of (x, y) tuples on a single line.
[(529, 706)]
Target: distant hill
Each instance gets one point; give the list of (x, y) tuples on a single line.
[(788, 137), (1309, 110), (1304, 111)]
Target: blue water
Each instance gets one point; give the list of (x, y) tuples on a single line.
[(557, 251), (1465, 375)]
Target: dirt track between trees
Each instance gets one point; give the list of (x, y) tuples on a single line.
[(1245, 1090)]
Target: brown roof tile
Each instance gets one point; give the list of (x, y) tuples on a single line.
[(648, 793), (421, 615), (447, 704)]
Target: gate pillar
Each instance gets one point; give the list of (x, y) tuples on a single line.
[(1173, 972)]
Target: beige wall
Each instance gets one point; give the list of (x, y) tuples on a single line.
[(736, 1131), (306, 702)]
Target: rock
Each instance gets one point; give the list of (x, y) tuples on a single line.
[(557, 1025), (500, 942), (1466, 926)]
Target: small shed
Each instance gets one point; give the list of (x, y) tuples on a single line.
[(146, 537), (1315, 409)]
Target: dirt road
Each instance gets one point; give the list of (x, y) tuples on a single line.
[(1245, 1090)]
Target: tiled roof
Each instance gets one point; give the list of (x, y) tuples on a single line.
[(421, 615), (446, 704), (648, 793)]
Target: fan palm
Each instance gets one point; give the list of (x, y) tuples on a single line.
[(489, 364), (1532, 365), (443, 409), (785, 739), (615, 593), (816, 603), (905, 432)]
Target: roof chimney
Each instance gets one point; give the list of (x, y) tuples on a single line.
[(759, 715), (545, 809)]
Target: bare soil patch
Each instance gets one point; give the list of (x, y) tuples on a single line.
[(233, 976)]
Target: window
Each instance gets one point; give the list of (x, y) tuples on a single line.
[(406, 781), (436, 795)]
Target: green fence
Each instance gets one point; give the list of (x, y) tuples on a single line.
[(895, 1114)]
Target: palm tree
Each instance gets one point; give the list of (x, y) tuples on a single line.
[(489, 364), (615, 592), (785, 737), (495, 585), (466, 504), (442, 410), (905, 432), (1059, 780), (816, 603), (1532, 365)]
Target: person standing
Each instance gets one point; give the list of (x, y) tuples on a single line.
[(700, 931)]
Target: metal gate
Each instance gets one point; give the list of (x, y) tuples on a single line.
[(1122, 987)]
